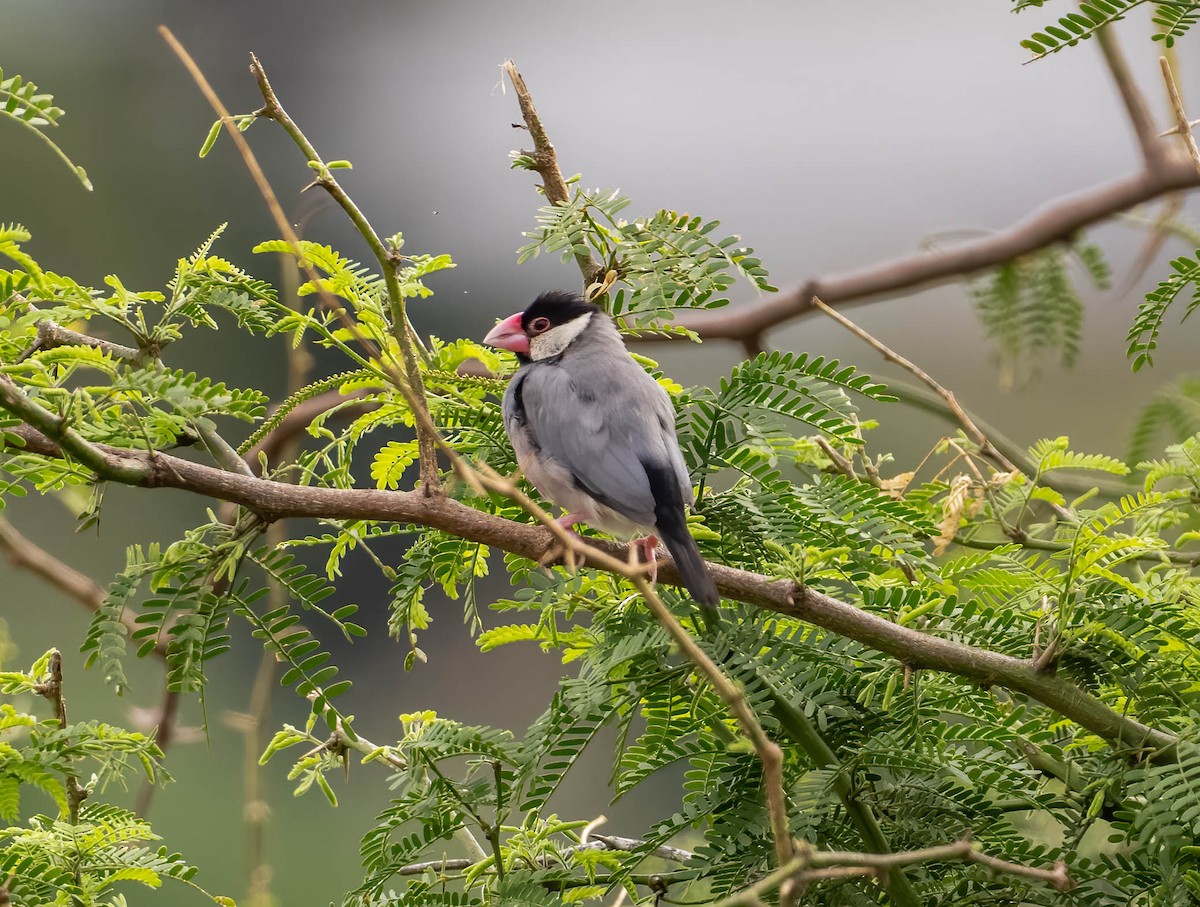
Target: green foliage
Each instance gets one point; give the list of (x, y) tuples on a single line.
[(763, 397), (667, 261), (105, 643), (88, 852), (1174, 409), (1091, 598), (21, 102), (1030, 307), (1143, 335), (1172, 18)]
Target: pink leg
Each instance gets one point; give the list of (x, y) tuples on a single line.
[(558, 551), (569, 521), (648, 547)]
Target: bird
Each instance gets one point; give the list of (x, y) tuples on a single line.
[(595, 433)]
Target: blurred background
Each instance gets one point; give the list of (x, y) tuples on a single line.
[(828, 139)]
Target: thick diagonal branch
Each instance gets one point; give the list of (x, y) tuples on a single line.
[(275, 500), (1162, 173), (1056, 222)]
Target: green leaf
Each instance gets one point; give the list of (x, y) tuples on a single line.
[(21, 103)]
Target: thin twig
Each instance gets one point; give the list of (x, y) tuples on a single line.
[(222, 452), (165, 727), (769, 753), (804, 732), (973, 431), (545, 159), (1188, 559), (840, 463), (1158, 234), (1183, 126), (922, 398), (1141, 120), (50, 335), (597, 842), (366, 748), (388, 261), (288, 231), (257, 810)]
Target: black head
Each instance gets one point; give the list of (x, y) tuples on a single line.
[(556, 307)]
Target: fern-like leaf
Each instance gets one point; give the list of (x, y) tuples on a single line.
[(1143, 335), (21, 102)]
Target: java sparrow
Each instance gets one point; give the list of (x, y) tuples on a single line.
[(595, 433)]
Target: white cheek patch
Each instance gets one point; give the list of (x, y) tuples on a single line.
[(554, 341)]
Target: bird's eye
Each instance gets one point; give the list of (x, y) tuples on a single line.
[(539, 325)]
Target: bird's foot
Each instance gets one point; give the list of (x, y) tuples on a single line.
[(648, 548), (569, 521), (559, 550)]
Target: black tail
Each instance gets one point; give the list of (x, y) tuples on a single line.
[(671, 524), (692, 568)]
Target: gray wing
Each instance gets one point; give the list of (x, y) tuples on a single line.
[(605, 424)]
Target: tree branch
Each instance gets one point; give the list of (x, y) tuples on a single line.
[(1056, 222), (52, 690), (973, 431), (1162, 173), (275, 500), (545, 159), (50, 335), (814, 865), (1183, 126), (70, 444), (388, 262), (27, 555)]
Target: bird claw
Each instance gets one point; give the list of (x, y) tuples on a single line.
[(560, 551), (648, 548)]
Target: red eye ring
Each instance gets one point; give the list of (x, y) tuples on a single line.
[(540, 325)]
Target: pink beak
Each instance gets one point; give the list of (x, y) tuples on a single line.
[(509, 335)]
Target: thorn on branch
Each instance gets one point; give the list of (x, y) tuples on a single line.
[(1183, 126)]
